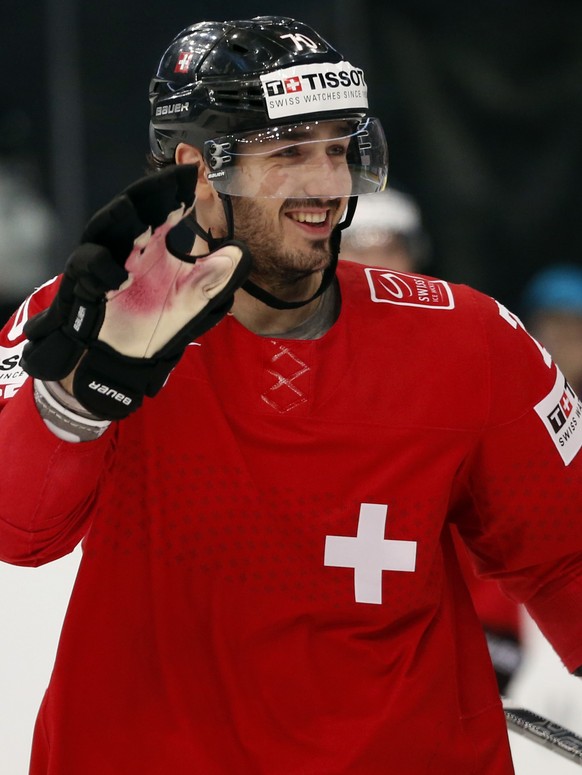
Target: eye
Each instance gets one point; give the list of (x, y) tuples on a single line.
[(337, 150), (288, 152)]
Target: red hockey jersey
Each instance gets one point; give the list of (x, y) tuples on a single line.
[(268, 583)]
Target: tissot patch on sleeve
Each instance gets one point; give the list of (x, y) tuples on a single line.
[(561, 413), (409, 290), (314, 88)]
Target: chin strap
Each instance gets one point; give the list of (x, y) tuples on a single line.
[(256, 290), (212, 242), (273, 301), (328, 274)]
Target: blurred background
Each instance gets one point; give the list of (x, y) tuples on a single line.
[(482, 106), (481, 103)]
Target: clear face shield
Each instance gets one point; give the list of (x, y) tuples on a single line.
[(324, 159)]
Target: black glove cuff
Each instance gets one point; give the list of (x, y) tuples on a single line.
[(112, 386), (52, 357)]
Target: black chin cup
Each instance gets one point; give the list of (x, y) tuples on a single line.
[(193, 226), (328, 274)]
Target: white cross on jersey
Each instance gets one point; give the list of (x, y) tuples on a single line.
[(369, 553)]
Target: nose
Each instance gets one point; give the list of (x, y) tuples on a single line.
[(326, 177)]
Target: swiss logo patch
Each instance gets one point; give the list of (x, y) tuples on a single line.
[(184, 62), (409, 290), (561, 413), (292, 85)]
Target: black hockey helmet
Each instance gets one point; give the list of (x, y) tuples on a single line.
[(208, 81)]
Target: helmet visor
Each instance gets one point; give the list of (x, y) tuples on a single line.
[(321, 159)]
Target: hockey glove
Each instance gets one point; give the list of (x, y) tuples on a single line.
[(128, 303)]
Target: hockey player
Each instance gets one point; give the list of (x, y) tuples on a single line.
[(264, 456)]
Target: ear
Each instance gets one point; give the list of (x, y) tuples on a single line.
[(188, 154)]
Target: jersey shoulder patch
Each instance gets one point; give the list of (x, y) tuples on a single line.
[(561, 413), (409, 290)]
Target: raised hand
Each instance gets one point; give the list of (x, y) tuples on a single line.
[(128, 304)]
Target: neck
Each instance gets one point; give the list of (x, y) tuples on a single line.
[(262, 319)]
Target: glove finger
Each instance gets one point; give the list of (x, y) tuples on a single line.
[(115, 226), (77, 306), (53, 356), (94, 271), (146, 203), (215, 270), (155, 196)]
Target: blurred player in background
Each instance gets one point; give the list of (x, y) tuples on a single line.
[(387, 231), (551, 308)]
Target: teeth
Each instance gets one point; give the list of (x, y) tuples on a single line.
[(308, 217)]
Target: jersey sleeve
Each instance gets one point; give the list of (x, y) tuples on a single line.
[(12, 340), (519, 507), (47, 486)]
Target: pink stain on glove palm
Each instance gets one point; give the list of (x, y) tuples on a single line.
[(162, 293)]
